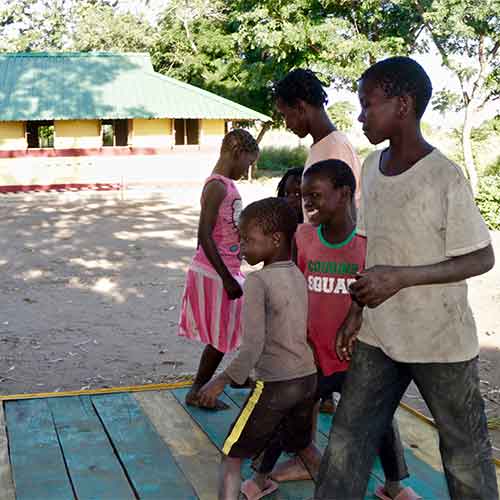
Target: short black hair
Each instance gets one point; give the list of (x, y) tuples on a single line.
[(291, 172), (338, 172), (273, 215), (300, 84), (398, 76)]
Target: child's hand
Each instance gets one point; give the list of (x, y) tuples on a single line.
[(233, 288), (209, 393), (376, 284), (347, 333)]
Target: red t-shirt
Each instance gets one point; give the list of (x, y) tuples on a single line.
[(329, 270)]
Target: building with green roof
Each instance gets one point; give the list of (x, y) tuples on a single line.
[(73, 105)]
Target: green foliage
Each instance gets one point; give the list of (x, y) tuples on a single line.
[(493, 168), (341, 113), (238, 47), (446, 100), (486, 129), (46, 136), (48, 25), (280, 159), (488, 200), (100, 27), (467, 35)]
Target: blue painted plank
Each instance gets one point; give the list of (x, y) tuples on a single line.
[(146, 458), (96, 472), (37, 462)]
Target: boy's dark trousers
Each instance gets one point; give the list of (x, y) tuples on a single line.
[(391, 452), (374, 387)]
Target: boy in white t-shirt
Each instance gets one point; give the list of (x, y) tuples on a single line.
[(425, 237)]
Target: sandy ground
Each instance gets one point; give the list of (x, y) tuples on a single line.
[(91, 283)]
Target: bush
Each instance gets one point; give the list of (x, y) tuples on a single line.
[(493, 168), (488, 200), (280, 159)]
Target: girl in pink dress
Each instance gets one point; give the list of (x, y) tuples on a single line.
[(211, 304)]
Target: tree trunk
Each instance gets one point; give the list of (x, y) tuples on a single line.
[(188, 36), (263, 130), (470, 165)]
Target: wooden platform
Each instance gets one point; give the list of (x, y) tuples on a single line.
[(149, 445)]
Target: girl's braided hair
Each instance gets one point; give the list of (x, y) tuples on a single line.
[(239, 141)]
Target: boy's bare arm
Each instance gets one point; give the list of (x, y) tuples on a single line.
[(375, 285)]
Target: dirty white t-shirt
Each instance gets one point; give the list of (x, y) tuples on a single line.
[(336, 145), (420, 217)]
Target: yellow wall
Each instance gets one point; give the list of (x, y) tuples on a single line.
[(12, 136), (212, 132), (77, 134), (154, 133)]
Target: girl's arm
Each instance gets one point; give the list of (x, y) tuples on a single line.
[(377, 284), (212, 197)]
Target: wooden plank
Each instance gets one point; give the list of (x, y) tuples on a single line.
[(147, 459), (95, 471), (90, 392), (198, 458), (6, 484), (38, 467)]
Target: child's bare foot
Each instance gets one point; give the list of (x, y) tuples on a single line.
[(193, 400), (393, 490), (291, 470), (253, 490)]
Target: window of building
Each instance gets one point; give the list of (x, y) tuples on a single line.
[(114, 132), (40, 134), (187, 131)]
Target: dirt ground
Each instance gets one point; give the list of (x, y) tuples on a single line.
[(91, 283)]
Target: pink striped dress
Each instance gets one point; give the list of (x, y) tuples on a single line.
[(207, 314)]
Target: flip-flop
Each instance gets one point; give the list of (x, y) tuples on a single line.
[(405, 494), (219, 405), (252, 492)]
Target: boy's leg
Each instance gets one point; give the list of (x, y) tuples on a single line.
[(229, 478), (391, 453), (451, 390), (372, 390)]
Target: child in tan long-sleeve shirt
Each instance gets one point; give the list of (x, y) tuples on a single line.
[(274, 346)]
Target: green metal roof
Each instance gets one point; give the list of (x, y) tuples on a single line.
[(90, 85)]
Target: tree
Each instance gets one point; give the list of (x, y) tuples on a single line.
[(244, 45), (35, 25), (102, 27), (41, 25), (341, 113), (467, 36)]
